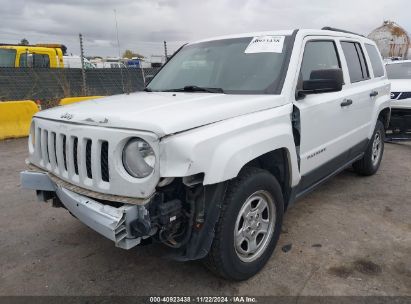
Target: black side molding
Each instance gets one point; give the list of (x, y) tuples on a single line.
[(314, 178)]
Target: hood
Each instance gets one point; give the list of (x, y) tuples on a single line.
[(400, 85), (161, 112)]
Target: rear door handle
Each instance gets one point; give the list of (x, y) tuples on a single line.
[(346, 103), (373, 93)]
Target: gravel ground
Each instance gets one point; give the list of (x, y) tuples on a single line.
[(352, 236)]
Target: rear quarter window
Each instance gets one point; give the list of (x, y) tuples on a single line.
[(375, 58)]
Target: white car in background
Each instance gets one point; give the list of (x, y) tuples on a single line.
[(399, 73), (74, 62), (109, 65)]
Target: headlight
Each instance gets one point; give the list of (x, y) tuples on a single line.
[(138, 158)]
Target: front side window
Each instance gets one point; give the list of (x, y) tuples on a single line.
[(224, 65), (354, 55), (318, 55), (399, 70), (375, 58), (7, 58)]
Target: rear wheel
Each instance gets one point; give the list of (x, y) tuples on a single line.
[(370, 163), (249, 226)]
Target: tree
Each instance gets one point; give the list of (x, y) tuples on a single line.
[(130, 54), (24, 41)]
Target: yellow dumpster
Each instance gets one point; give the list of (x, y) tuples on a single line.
[(69, 100), (15, 118)]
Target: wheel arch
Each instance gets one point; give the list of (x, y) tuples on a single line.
[(384, 116), (278, 163)]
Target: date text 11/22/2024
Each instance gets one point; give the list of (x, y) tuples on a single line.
[(203, 299)]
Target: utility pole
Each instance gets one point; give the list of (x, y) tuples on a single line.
[(119, 52), (165, 50), (83, 71)]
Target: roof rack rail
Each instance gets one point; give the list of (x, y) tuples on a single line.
[(328, 28)]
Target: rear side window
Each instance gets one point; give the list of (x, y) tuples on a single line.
[(41, 61), (318, 55), (357, 66), (375, 58), (32, 60)]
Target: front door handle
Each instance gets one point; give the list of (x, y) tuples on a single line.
[(346, 103), (373, 93)]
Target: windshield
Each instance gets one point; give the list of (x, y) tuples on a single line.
[(399, 70), (231, 66), (7, 58)]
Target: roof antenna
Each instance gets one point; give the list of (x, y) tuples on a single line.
[(119, 52)]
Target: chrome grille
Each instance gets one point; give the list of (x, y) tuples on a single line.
[(63, 155), (405, 95), (394, 95)]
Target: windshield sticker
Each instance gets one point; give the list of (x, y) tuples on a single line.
[(265, 44)]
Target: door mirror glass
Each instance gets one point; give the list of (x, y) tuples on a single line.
[(322, 81)]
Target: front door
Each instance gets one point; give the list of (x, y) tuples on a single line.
[(324, 117)]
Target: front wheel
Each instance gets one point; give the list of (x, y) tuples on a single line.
[(370, 163), (249, 226)]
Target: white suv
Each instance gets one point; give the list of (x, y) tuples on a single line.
[(228, 134), (399, 73)]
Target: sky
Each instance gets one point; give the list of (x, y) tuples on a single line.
[(143, 25)]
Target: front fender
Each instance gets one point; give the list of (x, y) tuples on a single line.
[(221, 149)]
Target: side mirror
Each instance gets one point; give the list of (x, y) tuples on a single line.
[(322, 81)]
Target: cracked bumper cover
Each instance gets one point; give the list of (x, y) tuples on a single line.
[(109, 221)]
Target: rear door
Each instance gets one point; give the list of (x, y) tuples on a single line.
[(361, 87)]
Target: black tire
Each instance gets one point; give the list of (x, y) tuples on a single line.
[(368, 165), (223, 258)]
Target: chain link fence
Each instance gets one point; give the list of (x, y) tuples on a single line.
[(50, 85)]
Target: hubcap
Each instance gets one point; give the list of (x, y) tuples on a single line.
[(254, 226), (376, 148)]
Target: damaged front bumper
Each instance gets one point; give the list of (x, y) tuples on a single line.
[(115, 223)]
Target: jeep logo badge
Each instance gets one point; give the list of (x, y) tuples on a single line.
[(67, 116)]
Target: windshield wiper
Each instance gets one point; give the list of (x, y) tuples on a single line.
[(147, 90), (194, 88)]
